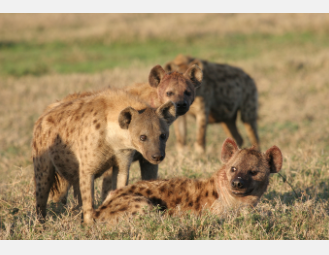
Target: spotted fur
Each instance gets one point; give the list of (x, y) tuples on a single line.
[(182, 92), (241, 181), (225, 91), (79, 140)]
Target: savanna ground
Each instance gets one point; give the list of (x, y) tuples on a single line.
[(45, 57)]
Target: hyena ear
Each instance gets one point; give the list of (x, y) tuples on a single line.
[(197, 62), (156, 76), (167, 111), (274, 158), (194, 73), (126, 116), (229, 147), (170, 66)]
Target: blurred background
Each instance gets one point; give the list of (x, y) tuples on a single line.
[(38, 44), (43, 57)]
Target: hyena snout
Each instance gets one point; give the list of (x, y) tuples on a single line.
[(158, 157), (238, 183), (182, 107)]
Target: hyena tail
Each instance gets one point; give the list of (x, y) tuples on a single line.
[(59, 189)]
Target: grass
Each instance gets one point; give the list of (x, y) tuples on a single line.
[(288, 60), (90, 56)]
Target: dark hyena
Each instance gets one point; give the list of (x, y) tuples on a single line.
[(225, 90)]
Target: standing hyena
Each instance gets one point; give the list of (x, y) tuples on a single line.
[(162, 87), (225, 91), (82, 138), (241, 181)]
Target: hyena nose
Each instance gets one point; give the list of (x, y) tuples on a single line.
[(158, 157), (182, 104), (237, 183)]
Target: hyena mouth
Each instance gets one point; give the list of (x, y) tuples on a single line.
[(181, 111), (241, 193)]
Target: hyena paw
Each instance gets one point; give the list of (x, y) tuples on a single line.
[(199, 149)]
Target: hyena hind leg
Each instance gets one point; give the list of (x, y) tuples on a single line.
[(44, 173), (231, 130), (251, 128), (126, 206)]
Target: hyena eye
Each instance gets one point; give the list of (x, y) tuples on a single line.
[(143, 137), (170, 93), (233, 169), (163, 136), (253, 173), (188, 93)]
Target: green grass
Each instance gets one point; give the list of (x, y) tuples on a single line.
[(90, 56)]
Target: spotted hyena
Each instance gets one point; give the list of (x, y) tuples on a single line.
[(241, 181), (80, 139), (225, 91), (162, 87)]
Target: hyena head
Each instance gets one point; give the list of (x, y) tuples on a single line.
[(248, 171), (181, 63), (176, 87), (149, 129)]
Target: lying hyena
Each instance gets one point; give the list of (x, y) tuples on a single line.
[(162, 87), (241, 181), (82, 138), (225, 91)]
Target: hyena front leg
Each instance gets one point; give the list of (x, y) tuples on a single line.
[(107, 183), (180, 133), (86, 183), (148, 170), (201, 114), (120, 172), (44, 176)]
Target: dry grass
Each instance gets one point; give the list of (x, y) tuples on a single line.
[(293, 90)]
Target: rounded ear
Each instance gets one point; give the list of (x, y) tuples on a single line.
[(229, 147), (194, 73), (197, 62), (126, 116), (156, 76), (274, 158), (170, 66), (167, 111)]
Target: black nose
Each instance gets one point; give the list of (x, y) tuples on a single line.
[(158, 157), (237, 183), (182, 104)]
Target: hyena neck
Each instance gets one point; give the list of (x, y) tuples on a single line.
[(150, 96), (221, 182)]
